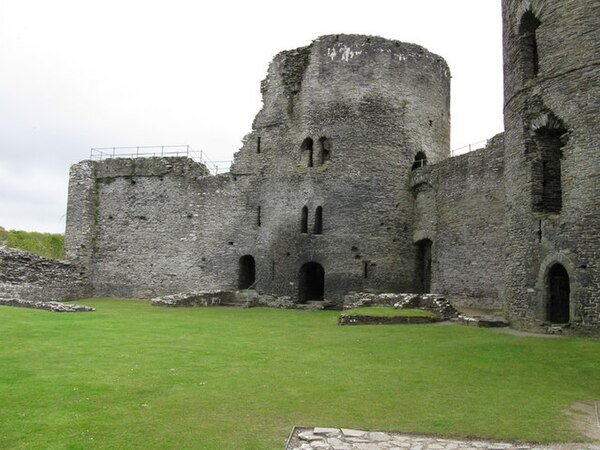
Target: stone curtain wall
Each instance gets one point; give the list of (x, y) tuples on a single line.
[(460, 208), (161, 226), (26, 276)]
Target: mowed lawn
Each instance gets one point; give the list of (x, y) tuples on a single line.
[(131, 375)]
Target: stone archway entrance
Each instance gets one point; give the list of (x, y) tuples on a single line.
[(246, 272), (312, 282), (557, 309)]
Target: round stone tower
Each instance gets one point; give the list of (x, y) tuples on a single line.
[(327, 164), (552, 162)]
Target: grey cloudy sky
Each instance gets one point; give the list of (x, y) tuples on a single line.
[(87, 73)]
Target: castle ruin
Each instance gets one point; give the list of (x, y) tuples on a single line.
[(346, 184)]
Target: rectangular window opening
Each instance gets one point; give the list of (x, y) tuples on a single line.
[(304, 220)]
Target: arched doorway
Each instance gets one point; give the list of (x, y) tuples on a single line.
[(557, 310), (312, 282), (247, 272), (423, 266)]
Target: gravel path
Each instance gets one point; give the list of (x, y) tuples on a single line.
[(305, 438)]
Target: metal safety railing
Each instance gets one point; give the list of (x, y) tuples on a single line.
[(158, 151), (468, 148)]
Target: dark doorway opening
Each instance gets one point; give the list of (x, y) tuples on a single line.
[(558, 295), (247, 272), (423, 263), (312, 282)]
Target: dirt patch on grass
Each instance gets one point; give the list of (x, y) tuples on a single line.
[(520, 333), (585, 418)]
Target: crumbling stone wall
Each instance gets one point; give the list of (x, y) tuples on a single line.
[(26, 276), (460, 207)]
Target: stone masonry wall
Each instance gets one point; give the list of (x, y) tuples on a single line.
[(342, 121), (460, 208), (162, 226), (560, 97), (26, 276), (377, 103)]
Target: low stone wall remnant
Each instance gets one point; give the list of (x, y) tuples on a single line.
[(246, 298), (47, 306), (431, 302), (26, 276), (209, 298), (365, 319)]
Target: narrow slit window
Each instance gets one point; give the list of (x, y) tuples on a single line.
[(366, 269), (325, 149), (307, 152), (258, 216), (528, 45), (549, 137), (549, 190), (318, 229), (258, 144), (304, 221)]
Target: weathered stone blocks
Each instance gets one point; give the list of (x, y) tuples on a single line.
[(48, 306), (26, 276), (430, 302)]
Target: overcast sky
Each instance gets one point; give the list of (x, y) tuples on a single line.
[(88, 73)]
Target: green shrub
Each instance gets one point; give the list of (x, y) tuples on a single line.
[(48, 245)]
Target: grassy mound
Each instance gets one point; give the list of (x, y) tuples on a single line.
[(131, 376), (43, 244)]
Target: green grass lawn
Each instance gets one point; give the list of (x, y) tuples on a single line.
[(388, 311), (135, 376)]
